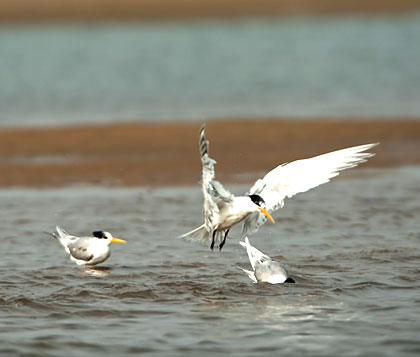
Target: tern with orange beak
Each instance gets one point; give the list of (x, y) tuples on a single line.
[(87, 250), (222, 210)]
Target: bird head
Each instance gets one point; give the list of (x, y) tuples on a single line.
[(260, 203), (108, 237)]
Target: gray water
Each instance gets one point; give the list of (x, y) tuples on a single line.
[(352, 245), (321, 66)]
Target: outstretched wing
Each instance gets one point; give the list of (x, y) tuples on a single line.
[(79, 249), (300, 176), (214, 193)]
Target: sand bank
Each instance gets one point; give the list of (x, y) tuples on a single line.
[(100, 10), (167, 154)]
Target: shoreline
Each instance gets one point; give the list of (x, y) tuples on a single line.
[(162, 154), (21, 11)]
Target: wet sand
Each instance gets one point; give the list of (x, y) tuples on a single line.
[(167, 153), (93, 10)]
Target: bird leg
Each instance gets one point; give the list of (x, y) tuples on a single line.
[(223, 241), (212, 241)]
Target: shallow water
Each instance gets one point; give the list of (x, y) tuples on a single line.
[(353, 247), (304, 66)]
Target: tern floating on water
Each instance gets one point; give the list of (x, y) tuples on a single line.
[(87, 250), (222, 209), (264, 268)]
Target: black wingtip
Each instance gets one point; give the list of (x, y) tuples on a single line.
[(204, 144), (289, 280)]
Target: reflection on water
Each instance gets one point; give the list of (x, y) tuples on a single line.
[(353, 247), (97, 271), (366, 66)]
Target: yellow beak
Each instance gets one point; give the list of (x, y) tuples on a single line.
[(118, 240), (263, 210)]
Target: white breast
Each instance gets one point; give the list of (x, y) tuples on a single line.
[(235, 212)]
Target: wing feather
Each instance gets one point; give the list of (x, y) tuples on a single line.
[(289, 179), (213, 191), (255, 256), (79, 250)]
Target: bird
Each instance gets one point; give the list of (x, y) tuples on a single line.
[(264, 269), (86, 250), (222, 210)]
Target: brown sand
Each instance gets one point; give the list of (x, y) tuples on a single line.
[(167, 154), (99, 10)]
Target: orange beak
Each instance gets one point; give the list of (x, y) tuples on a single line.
[(263, 210), (118, 240)]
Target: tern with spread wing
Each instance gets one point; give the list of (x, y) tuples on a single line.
[(87, 250), (222, 210), (264, 269)]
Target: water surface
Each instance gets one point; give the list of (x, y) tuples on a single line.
[(353, 247), (319, 66)]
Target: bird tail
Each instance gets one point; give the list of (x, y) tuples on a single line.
[(250, 274), (254, 255), (202, 235), (60, 233), (63, 237)]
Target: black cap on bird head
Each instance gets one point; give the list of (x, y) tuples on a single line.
[(257, 199), (99, 234)]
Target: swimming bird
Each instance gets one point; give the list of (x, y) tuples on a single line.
[(264, 269), (87, 250), (222, 210)]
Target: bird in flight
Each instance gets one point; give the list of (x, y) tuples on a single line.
[(222, 210)]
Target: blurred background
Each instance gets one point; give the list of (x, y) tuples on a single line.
[(103, 62), (96, 61)]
